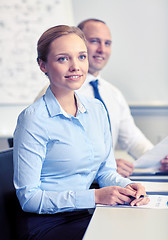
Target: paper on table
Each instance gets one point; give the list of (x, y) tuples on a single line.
[(156, 201), (152, 158)]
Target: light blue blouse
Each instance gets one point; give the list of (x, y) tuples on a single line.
[(57, 156)]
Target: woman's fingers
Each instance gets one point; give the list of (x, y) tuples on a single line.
[(140, 201), (139, 188)]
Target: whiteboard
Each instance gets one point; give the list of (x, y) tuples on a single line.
[(21, 24)]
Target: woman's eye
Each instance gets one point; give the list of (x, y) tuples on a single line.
[(62, 59), (82, 57)]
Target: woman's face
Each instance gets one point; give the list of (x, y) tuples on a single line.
[(67, 64)]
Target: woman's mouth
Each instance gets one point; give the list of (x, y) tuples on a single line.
[(73, 77)]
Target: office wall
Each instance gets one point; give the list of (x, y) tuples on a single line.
[(152, 120), (138, 65), (21, 24)]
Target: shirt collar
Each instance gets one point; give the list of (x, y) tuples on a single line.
[(81, 107), (90, 77), (54, 108)]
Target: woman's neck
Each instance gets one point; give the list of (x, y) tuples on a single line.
[(67, 102), (69, 105)]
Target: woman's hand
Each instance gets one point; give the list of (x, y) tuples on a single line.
[(113, 195), (140, 191)]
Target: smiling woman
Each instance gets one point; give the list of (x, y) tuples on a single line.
[(64, 52), (66, 55), (62, 142)]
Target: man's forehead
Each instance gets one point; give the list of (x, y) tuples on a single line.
[(97, 30), (99, 37)]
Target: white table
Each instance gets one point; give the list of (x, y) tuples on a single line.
[(114, 223), (155, 186), (109, 223)]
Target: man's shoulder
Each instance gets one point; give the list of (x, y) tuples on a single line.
[(91, 103), (87, 100), (110, 87)]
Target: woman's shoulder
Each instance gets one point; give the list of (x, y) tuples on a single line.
[(33, 110)]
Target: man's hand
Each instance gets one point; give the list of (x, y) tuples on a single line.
[(124, 168), (164, 164)]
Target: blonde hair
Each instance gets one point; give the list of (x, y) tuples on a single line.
[(44, 42)]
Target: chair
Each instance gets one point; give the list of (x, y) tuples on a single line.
[(10, 142), (8, 200)]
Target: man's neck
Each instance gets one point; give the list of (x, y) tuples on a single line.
[(95, 74), (92, 77)]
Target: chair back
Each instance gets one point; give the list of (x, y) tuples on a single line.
[(9, 203)]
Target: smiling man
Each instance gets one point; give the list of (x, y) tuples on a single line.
[(124, 131)]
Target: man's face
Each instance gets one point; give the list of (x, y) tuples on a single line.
[(99, 45)]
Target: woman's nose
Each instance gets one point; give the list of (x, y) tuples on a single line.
[(74, 66)]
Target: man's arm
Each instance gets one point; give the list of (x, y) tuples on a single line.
[(164, 164), (124, 168)]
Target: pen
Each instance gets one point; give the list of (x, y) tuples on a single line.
[(142, 196)]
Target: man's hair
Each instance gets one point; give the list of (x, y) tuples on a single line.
[(82, 24)]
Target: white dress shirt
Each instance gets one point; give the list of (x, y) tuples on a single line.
[(124, 131)]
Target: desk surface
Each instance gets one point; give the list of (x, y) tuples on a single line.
[(128, 223), (131, 223), (154, 186)]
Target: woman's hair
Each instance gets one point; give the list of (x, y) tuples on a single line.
[(44, 42)]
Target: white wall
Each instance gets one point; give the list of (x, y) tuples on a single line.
[(153, 121), (138, 65), (21, 24)]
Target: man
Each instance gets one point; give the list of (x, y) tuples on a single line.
[(124, 131)]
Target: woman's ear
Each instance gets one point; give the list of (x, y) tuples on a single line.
[(42, 65)]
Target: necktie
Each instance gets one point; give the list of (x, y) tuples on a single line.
[(94, 84)]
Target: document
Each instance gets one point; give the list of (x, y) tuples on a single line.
[(152, 158), (156, 201)]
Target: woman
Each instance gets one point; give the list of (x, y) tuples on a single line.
[(62, 143)]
